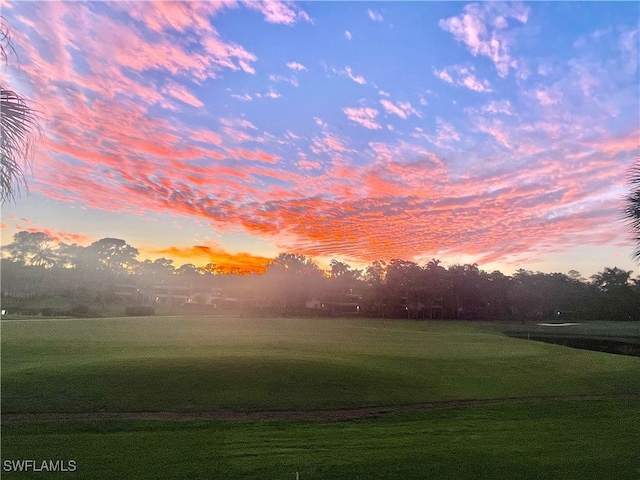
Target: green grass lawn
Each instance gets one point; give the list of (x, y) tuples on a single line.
[(570, 439), (187, 363), (191, 364)]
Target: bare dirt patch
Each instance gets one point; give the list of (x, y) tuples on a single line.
[(311, 415)]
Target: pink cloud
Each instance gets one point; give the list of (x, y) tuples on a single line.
[(206, 136), (348, 72), (308, 165), (296, 66), (401, 109), (363, 116), (179, 16), (498, 107), (481, 28), (464, 76), (494, 129), (395, 208), (283, 12), (625, 142), (180, 92), (548, 97), (226, 55), (328, 144), (356, 78), (255, 155)]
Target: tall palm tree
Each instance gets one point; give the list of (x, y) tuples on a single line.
[(632, 206), (18, 128)]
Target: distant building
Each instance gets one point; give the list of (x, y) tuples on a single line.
[(171, 294), (161, 293), (346, 302)]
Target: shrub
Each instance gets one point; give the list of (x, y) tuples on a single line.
[(52, 312), (138, 311), (79, 310)]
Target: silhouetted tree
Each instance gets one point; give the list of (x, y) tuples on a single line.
[(71, 256), (31, 248), (611, 279), (374, 274), (291, 279), (615, 299), (156, 271), (113, 255), (292, 263), (467, 295), (188, 270)]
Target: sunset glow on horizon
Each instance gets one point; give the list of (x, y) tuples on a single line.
[(228, 132)]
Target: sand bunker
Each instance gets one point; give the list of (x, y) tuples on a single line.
[(557, 324)]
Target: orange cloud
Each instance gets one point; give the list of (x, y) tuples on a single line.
[(224, 261)]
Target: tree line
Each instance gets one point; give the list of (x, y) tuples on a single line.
[(35, 267)]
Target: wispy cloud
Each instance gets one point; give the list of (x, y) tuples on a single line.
[(464, 76), (328, 144), (270, 93), (279, 78), (356, 78), (498, 107), (245, 97), (276, 11), (547, 96), (445, 135), (481, 28), (180, 92), (375, 16), (363, 116), (348, 72), (401, 109), (296, 66)]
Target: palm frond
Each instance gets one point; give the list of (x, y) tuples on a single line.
[(18, 129), (19, 125), (5, 40), (631, 211)]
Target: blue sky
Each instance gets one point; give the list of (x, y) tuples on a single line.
[(491, 132)]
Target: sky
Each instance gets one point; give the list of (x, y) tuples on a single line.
[(229, 132)]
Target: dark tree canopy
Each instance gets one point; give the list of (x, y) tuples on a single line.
[(34, 265), (31, 248)]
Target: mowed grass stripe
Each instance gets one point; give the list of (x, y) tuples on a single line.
[(585, 439), (247, 364)]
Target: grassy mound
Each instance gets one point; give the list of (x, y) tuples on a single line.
[(195, 364)]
